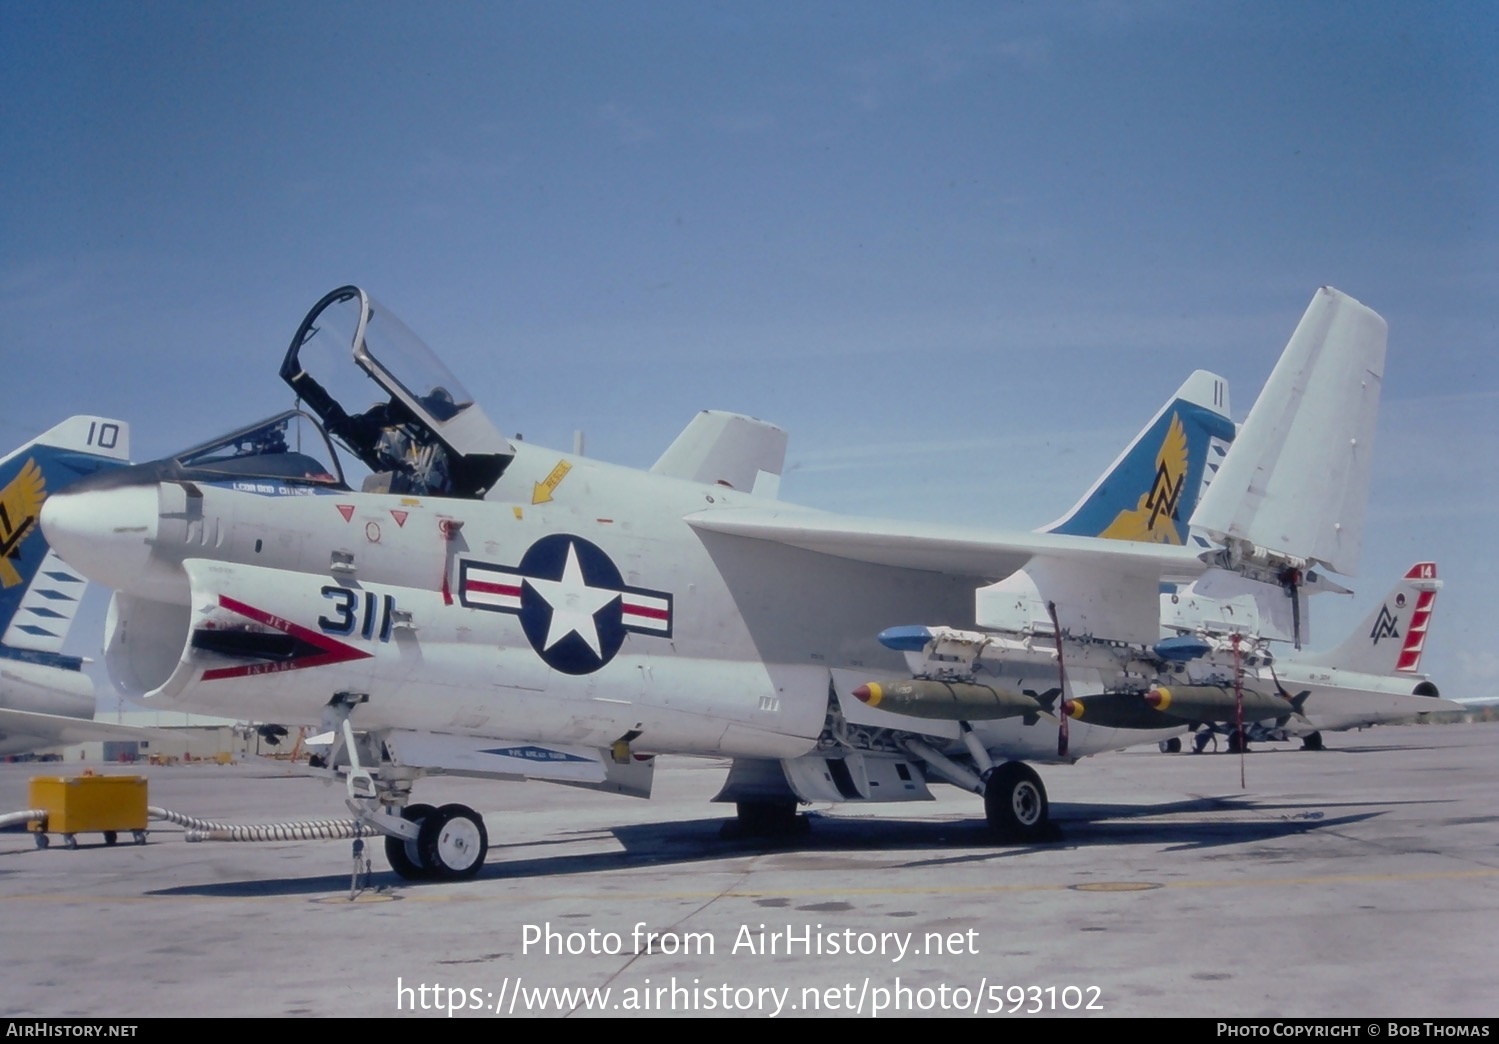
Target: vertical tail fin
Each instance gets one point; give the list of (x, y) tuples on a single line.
[(39, 595), (1153, 487), (1392, 637)]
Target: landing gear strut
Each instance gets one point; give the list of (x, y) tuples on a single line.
[(422, 843), (1015, 803)]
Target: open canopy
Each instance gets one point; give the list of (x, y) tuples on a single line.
[(423, 433)]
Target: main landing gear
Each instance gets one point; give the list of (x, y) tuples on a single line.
[(766, 819), (1015, 803)]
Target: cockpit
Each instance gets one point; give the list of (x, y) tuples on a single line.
[(422, 433)]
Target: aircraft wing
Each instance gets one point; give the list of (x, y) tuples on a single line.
[(968, 551), (30, 730)]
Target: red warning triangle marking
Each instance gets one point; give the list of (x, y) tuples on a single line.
[(399, 516), (346, 510)]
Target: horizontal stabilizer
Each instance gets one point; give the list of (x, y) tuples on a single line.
[(1296, 481), (22, 731), (727, 449)]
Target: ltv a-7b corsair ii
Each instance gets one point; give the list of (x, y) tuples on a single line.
[(491, 608)]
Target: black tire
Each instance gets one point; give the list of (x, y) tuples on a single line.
[(767, 819), (1237, 742), (1312, 741), (453, 843), (1172, 745), (403, 856), (111, 838), (1015, 803)]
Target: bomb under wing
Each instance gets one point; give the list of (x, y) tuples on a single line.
[(948, 701), (1216, 703), (1118, 710)]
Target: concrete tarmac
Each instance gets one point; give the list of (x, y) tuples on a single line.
[(1361, 882)]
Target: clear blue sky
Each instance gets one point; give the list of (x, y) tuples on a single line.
[(961, 251)]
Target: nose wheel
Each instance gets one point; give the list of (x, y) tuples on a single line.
[(402, 855), (453, 843), (450, 845)]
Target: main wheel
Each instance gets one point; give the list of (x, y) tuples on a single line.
[(1238, 743), (453, 842), (1015, 803), (766, 819), (404, 856), (1312, 741), (1171, 746)]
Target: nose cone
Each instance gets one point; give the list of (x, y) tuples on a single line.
[(104, 533)]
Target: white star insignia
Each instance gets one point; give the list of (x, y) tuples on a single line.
[(573, 604)]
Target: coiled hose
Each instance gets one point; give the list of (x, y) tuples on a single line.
[(307, 830), (207, 830)]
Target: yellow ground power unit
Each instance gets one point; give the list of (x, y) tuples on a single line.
[(87, 803)]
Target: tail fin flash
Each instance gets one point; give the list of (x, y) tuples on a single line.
[(1151, 490), (1296, 482), (39, 595), (1393, 636)]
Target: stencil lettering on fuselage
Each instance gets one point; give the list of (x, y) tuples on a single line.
[(573, 604)]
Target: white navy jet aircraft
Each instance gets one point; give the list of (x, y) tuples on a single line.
[(46, 698), (1372, 677), (491, 608)]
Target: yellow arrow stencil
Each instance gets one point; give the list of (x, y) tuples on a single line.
[(543, 490)]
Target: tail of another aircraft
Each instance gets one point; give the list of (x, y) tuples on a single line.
[(1151, 490), (1392, 637), (39, 594)]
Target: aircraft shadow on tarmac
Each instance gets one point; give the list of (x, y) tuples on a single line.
[(1201, 823)]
